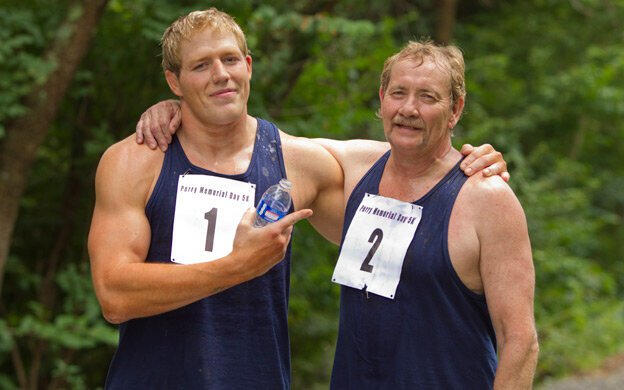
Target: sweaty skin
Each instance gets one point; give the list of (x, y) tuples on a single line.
[(324, 173)]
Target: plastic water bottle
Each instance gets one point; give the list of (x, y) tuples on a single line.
[(274, 204)]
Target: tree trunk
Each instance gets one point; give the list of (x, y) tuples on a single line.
[(24, 136), (447, 10)]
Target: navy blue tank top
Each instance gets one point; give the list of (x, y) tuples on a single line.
[(435, 333), (236, 339)]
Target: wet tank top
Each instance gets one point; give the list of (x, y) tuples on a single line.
[(435, 333), (236, 339)]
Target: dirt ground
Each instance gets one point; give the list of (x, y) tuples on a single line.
[(609, 377)]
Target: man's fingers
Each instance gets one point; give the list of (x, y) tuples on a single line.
[(157, 124), (249, 217), (496, 168), (138, 134), (293, 218), (146, 124), (490, 164), (175, 121), (466, 149), (162, 121), (480, 157)]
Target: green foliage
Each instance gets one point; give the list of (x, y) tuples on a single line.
[(21, 65), (556, 108), (313, 308)]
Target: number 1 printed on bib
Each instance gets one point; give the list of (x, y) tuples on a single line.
[(375, 245), (208, 210)]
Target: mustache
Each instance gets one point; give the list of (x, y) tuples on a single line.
[(408, 122)]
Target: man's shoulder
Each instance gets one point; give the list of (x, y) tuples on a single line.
[(127, 156), (303, 151), (490, 198), (350, 154), (129, 167), (489, 187)]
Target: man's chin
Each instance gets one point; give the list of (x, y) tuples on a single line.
[(407, 141), (226, 116)]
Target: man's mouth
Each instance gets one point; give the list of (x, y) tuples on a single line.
[(224, 92), (407, 126)]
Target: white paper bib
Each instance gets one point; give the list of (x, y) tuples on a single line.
[(375, 245), (207, 212)]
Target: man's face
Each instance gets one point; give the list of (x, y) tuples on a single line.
[(416, 108), (214, 77)]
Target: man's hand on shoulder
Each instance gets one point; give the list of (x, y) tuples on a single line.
[(158, 123), (484, 158)]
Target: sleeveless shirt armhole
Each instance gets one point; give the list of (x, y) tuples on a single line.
[(345, 224), (274, 131), (447, 256), (149, 207), (382, 160)]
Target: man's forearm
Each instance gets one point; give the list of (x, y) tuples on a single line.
[(517, 362), (136, 290)]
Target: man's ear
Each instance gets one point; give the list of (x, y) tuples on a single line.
[(174, 83), (249, 63), (381, 93), (457, 109)]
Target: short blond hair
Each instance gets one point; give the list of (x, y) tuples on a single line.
[(185, 26), (448, 57)]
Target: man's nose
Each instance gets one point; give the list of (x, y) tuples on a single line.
[(409, 108), (219, 72)]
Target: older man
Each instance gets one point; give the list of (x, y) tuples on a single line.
[(430, 311)]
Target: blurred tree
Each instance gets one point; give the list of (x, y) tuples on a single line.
[(25, 133), (447, 10)]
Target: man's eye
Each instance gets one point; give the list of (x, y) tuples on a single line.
[(200, 66), (231, 60)]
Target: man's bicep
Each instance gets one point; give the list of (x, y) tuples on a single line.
[(119, 230), (328, 205), (355, 151), (120, 234), (506, 264), (328, 214)]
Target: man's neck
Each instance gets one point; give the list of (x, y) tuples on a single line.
[(419, 164), (224, 148), (409, 175)]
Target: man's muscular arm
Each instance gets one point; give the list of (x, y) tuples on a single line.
[(358, 155), (126, 286), (508, 277), (318, 184), (161, 120)]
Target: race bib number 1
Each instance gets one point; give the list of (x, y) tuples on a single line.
[(207, 212), (375, 245)]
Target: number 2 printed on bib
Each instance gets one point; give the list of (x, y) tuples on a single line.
[(375, 245), (207, 212)]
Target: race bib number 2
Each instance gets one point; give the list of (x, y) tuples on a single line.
[(207, 212), (375, 245)]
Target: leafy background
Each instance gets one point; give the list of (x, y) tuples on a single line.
[(545, 81)]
